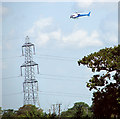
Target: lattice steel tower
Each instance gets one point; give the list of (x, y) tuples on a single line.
[(30, 84)]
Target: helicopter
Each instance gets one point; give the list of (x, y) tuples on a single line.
[(77, 15)]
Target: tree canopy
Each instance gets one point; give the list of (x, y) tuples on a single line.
[(29, 111), (0, 112), (80, 110), (105, 82)]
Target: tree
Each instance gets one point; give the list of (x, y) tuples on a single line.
[(0, 112), (106, 81), (29, 111), (7, 114), (80, 110)]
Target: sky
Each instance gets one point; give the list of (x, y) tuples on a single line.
[(59, 42), (119, 22)]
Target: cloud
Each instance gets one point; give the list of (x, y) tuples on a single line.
[(81, 38), (44, 31), (3, 10), (82, 4), (88, 3), (91, 1), (40, 25), (43, 38)]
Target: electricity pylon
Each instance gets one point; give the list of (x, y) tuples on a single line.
[(30, 84)]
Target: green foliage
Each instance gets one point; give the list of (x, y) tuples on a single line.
[(29, 111), (0, 112), (80, 110), (106, 81), (7, 114), (107, 60), (52, 116)]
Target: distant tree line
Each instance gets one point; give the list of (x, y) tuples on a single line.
[(27, 112), (80, 110)]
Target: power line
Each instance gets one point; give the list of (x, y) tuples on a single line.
[(54, 94), (11, 77), (57, 56), (59, 79), (65, 95), (62, 93), (64, 76), (13, 94), (54, 57), (55, 79), (47, 57), (52, 77), (12, 57), (85, 96)]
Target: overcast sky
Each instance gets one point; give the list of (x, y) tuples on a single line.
[(60, 42)]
